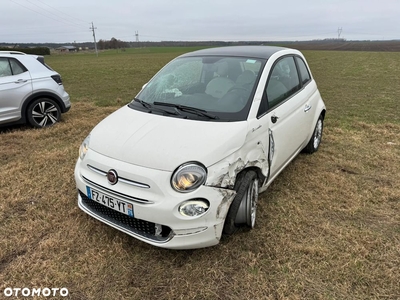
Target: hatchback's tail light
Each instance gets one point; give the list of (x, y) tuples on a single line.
[(57, 78)]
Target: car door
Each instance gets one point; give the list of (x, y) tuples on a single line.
[(282, 107), (310, 93), (15, 86)]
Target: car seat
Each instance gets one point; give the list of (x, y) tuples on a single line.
[(219, 86), (246, 79)]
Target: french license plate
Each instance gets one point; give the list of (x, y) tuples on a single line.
[(116, 204)]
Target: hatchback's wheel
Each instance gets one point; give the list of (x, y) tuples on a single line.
[(316, 138), (244, 207), (43, 112)]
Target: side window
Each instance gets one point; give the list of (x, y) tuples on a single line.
[(283, 82), (305, 75), (16, 67), (5, 68)]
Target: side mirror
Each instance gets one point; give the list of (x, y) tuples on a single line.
[(144, 85)]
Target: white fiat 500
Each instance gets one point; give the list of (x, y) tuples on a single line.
[(185, 161)]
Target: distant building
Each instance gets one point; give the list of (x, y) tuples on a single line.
[(67, 49), (9, 46)]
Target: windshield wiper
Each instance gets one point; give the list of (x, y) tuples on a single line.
[(151, 107), (189, 109), (144, 103)]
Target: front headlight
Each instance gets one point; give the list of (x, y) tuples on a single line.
[(84, 147), (188, 177)]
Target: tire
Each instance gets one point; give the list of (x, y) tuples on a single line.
[(43, 112), (244, 207), (316, 137)]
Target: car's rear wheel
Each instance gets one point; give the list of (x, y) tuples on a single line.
[(243, 210), (316, 138), (43, 112)]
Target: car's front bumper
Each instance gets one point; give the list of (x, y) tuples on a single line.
[(155, 208)]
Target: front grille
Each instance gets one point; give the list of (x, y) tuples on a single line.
[(136, 226), (121, 179), (117, 194)]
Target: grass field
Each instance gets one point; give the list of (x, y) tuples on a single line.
[(327, 228)]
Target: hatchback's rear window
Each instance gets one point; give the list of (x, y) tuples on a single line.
[(41, 60)]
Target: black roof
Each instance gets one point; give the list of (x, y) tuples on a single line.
[(263, 52)]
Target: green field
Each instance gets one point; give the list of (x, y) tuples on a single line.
[(327, 228)]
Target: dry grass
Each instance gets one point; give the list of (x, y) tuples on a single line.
[(328, 227)]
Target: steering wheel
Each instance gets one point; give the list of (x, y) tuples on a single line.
[(235, 97)]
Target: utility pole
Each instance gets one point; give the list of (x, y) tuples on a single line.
[(339, 32), (94, 37)]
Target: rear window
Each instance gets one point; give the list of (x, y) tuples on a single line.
[(41, 60)]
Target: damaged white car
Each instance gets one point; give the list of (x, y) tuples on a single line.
[(185, 161)]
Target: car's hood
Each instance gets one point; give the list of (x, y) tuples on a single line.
[(164, 143)]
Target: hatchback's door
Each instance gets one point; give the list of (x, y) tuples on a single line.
[(286, 113), (311, 95), (288, 130), (15, 86)]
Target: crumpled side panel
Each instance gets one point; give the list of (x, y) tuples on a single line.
[(223, 173)]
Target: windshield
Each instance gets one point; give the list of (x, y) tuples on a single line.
[(221, 86)]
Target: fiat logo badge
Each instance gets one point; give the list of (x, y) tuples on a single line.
[(112, 176)]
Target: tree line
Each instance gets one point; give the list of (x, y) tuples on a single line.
[(111, 44)]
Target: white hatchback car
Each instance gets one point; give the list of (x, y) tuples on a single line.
[(184, 162), (30, 91)]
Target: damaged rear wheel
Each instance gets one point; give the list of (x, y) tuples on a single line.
[(244, 207)]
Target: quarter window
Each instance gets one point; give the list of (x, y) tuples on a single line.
[(305, 75), (16, 67)]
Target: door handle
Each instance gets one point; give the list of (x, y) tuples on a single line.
[(254, 129), (274, 119), (307, 108), (21, 81)]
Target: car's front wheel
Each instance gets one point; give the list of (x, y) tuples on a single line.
[(43, 112), (244, 207), (316, 138)]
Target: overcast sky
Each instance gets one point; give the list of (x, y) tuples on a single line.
[(66, 21)]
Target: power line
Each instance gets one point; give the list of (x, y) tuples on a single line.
[(57, 20), (52, 13), (80, 20)]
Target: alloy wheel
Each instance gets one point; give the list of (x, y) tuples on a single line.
[(45, 113)]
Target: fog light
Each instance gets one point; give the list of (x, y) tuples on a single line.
[(193, 208)]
